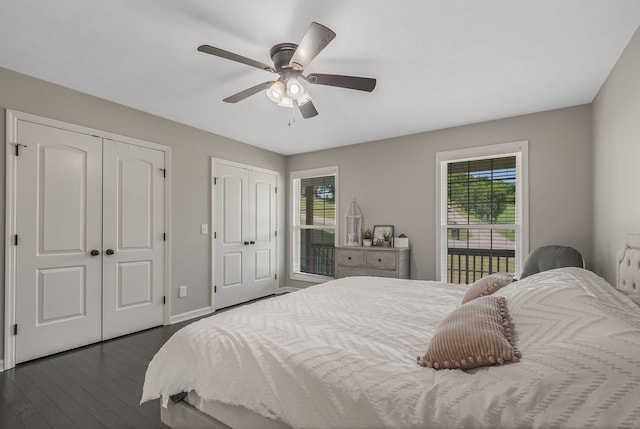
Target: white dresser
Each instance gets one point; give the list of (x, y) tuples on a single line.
[(372, 261)]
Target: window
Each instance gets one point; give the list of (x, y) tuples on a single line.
[(314, 227), (482, 211)]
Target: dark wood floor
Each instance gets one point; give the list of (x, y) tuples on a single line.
[(97, 386)]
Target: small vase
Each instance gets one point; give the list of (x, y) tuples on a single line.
[(386, 244), (366, 242)]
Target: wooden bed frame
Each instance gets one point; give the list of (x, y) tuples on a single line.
[(183, 415)]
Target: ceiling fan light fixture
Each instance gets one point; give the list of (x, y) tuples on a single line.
[(276, 92), (286, 102), (294, 89)]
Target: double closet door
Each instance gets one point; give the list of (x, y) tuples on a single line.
[(89, 244), (244, 222)]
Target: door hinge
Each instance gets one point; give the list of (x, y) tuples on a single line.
[(215, 180), (215, 235), (15, 240), (164, 236), (15, 329), (18, 148), (276, 189), (164, 172), (276, 277), (276, 233), (164, 300), (215, 289)]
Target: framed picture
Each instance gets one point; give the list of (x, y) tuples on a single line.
[(379, 231)]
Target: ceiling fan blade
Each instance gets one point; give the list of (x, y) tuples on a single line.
[(308, 110), (350, 82), (248, 92), (315, 40), (207, 49)]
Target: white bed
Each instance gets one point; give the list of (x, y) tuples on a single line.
[(343, 354)]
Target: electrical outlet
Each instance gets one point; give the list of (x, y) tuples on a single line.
[(204, 228), (182, 291)]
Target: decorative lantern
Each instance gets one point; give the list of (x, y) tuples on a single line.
[(354, 224)]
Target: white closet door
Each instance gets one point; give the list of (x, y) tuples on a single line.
[(59, 223), (133, 257), (261, 269), (244, 247)]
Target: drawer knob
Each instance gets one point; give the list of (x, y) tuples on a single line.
[(349, 258), (379, 260)]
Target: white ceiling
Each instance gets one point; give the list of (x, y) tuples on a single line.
[(438, 63)]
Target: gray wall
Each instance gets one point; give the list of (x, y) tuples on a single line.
[(190, 171), (394, 180), (616, 140)]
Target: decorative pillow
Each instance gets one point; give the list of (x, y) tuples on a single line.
[(474, 335), (487, 285)]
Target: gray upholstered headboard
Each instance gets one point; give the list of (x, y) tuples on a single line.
[(628, 265)]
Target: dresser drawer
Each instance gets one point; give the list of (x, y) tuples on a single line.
[(381, 260), (348, 272), (350, 258)]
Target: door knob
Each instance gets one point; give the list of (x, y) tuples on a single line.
[(252, 242), (110, 252), (95, 252), (246, 243)]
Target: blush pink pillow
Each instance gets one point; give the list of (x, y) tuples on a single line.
[(486, 286), (474, 335)]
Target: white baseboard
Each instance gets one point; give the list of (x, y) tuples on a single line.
[(288, 289), (1, 365), (190, 315)]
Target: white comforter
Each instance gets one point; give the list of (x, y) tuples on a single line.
[(343, 354)]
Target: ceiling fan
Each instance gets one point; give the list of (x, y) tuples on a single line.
[(289, 61)]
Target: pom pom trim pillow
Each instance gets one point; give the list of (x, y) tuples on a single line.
[(474, 335), (486, 286)]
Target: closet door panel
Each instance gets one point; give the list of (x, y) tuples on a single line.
[(262, 227), (62, 174), (135, 200), (232, 243), (133, 263), (135, 284), (59, 223)]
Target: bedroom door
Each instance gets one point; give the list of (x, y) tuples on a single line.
[(244, 224), (133, 227), (59, 225)]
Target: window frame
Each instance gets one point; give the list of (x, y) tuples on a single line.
[(294, 183), (520, 150)]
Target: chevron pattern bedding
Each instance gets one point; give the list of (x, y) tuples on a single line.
[(342, 355)]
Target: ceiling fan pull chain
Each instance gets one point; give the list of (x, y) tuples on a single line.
[(293, 117)]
